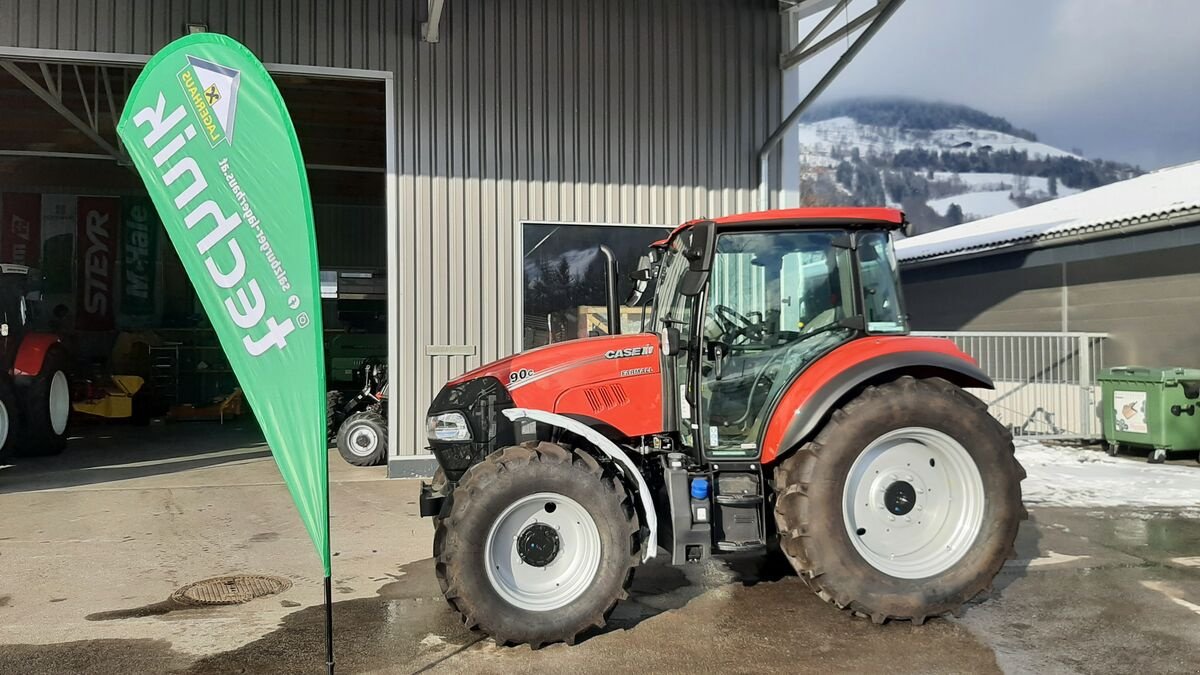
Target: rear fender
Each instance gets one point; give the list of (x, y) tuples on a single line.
[(614, 452), (32, 353), (824, 386)]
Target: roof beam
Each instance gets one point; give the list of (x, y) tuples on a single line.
[(803, 52), (433, 20), (56, 103)]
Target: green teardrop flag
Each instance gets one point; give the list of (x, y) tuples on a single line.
[(211, 137)]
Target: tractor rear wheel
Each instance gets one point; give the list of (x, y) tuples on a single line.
[(47, 405), (334, 401), (362, 440), (536, 544), (906, 504), (9, 421)]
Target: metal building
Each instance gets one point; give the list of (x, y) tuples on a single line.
[(495, 114)]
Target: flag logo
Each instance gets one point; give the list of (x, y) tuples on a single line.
[(212, 90)]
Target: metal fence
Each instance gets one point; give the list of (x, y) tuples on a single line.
[(1045, 382)]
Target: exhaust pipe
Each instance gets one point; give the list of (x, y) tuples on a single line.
[(611, 278)]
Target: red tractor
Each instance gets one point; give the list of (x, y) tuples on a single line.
[(35, 396), (775, 398)]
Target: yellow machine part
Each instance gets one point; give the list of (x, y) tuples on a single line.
[(117, 401)]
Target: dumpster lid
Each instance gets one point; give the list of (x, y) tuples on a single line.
[(1146, 374)]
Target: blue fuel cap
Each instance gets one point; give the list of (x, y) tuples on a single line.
[(699, 488)]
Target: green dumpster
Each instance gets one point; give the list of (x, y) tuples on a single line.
[(1151, 408)]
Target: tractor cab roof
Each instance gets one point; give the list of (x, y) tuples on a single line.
[(873, 218)]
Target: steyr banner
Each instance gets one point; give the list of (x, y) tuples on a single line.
[(211, 137), (99, 218)]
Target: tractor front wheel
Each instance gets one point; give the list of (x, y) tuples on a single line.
[(362, 440), (8, 421), (906, 504), (47, 404), (536, 544)]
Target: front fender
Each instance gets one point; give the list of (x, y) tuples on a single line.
[(32, 353), (609, 448), (812, 396)]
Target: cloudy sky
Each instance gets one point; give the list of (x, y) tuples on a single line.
[(1119, 79)]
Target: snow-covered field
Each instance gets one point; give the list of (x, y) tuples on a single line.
[(977, 205), (1061, 476), (820, 138)]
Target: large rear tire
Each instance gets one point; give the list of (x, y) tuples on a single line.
[(362, 440), (334, 401), (47, 405), (906, 504), (9, 421), (536, 545)]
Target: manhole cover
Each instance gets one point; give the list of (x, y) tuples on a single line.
[(230, 590)]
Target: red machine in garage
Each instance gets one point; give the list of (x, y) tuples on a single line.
[(35, 396), (774, 397)]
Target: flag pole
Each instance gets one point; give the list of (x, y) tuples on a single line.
[(328, 626), (328, 577)]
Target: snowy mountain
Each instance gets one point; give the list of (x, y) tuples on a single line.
[(943, 163)]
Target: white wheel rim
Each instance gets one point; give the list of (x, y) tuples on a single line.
[(362, 441), (924, 529), (570, 571), (60, 402), (3, 424)]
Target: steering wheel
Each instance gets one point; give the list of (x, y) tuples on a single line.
[(737, 324)]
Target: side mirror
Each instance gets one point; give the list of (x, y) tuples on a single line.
[(669, 339)]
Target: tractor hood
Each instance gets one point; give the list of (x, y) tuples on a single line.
[(612, 380)]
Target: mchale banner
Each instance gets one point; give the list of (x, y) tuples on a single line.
[(210, 136), (139, 256), (20, 228), (96, 235)]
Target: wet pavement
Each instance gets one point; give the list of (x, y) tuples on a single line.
[(92, 548)]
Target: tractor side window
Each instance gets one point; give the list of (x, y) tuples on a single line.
[(880, 284)]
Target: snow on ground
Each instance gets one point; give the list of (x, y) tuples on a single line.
[(820, 138), (977, 204), (983, 181), (1062, 476)]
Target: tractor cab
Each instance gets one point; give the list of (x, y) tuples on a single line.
[(743, 307)]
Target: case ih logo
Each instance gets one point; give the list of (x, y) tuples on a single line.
[(629, 351)]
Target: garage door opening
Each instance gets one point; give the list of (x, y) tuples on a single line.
[(142, 352)]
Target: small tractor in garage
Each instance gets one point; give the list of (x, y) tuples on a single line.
[(775, 399), (359, 425), (35, 396)]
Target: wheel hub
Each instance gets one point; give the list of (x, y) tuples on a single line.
[(900, 497), (362, 441), (538, 545), (542, 552), (913, 503)]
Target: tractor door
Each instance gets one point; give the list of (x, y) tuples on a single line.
[(776, 301)]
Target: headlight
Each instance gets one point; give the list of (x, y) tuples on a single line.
[(450, 426)]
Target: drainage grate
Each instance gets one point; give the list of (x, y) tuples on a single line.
[(230, 590)]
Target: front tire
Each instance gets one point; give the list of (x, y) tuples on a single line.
[(47, 403), (362, 440), (906, 504), (9, 421), (536, 544)]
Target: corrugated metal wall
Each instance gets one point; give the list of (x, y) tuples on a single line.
[(617, 111)]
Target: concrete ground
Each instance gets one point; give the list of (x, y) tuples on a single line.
[(93, 543)]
